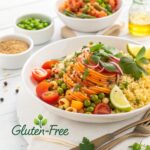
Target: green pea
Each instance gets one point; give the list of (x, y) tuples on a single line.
[(31, 24), (97, 101), (59, 82), (25, 26), (60, 90), (101, 95), (45, 24), (94, 98), (64, 86), (90, 109), (87, 103), (29, 28), (93, 105), (21, 26), (40, 26)]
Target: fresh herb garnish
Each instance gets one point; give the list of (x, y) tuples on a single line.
[(86, 61), (95, 58), (118, 55), (85, 74), (86, 144), (96, 47), (139, 146), (140, 57), (129, 66), (108, 66), (133, 66), (140, 54)]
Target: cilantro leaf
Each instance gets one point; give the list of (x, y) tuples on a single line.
[(139, 146), (86, 144), (95, 58), (96, 47), (118, 55), (147, 147), (136, 146), (108, 66), (143, 60), (85, 74), (140, 54), (129, 66)]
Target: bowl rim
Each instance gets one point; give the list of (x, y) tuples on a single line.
[(34, 31), (98, 116), (16, 35), (88, 19)]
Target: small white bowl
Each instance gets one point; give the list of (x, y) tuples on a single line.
[(88, 25), (15, 61), (38, 36)]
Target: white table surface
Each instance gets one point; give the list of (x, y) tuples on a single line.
[(8, 118)]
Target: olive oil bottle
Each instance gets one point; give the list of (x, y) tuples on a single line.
[(139, 18)]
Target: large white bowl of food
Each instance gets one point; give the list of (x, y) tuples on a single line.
[(90, 78), (88, 15)]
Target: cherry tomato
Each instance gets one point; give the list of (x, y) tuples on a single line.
[(39, 74), (49, 64), (42, 87), (50, 97), (102, 108), (112, 4)]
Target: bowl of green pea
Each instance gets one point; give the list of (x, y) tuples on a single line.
[(39, 27)]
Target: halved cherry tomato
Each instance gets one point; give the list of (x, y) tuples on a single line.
[(102, 108), (49, 64), (50, 97), (42, 87), (39, 74)]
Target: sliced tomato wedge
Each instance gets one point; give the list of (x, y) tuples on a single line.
[(49, 64), (39, 74), (50, 97), (102, 108), (42, 87)]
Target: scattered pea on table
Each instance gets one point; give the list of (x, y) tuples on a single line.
[(33, 24)]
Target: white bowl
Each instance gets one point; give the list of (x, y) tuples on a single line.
[(15, 61), (38, 36), (88, 25), (63, 48)]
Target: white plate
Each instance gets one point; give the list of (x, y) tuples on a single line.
[(63, 48), (28, 108)]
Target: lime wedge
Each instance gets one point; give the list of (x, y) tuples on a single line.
[(133, 49), (119, 100)]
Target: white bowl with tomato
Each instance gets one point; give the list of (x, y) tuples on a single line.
[(38, 68)]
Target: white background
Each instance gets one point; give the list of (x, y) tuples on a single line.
[(9, 9)]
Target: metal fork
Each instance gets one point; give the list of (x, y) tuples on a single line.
[(142, 130), (106, 138)]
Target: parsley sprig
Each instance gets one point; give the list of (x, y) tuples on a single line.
[(86, 144), (139, 146)]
